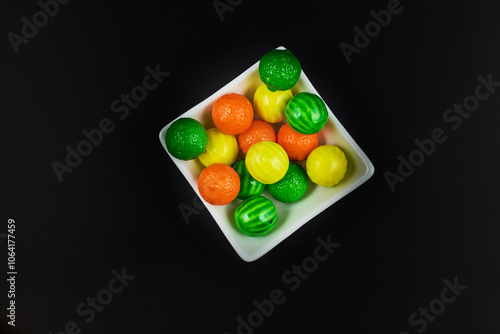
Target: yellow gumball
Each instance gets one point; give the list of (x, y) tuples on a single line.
[(326, 165), (270, 106), (267, 162), (221, 149)]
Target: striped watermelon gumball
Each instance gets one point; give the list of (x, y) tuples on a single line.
[(248, 185), (256, 216), (306, 113)]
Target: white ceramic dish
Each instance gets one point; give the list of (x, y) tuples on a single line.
[(290, 216)]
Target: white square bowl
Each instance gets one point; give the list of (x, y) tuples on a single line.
[(290, 216)]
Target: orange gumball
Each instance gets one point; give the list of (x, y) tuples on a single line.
[(258, 131), (296, 145), (232, 113), (219, 184)]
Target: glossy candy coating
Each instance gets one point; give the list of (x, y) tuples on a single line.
[(279, 70), (258, 131), (326, 165), (306, 113), (232, 113), (186, 138), (219, 184), (270, 106), (256, 216), (297, 145), (267, 162), (292, 186), (248, 185), (221, 149)]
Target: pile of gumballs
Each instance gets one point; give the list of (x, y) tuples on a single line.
[(242, 154)]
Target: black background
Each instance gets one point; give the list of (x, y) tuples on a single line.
[(120, 206)]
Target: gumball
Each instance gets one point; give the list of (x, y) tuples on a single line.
[(292, 186), (232, 113), (186, 138), (326, 165), (297, 145), (248, 185), (256, 216), (279, 69), (219, 184), (270, 106), (258, 131), (306, 113), (221, 149), (267, 162)]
